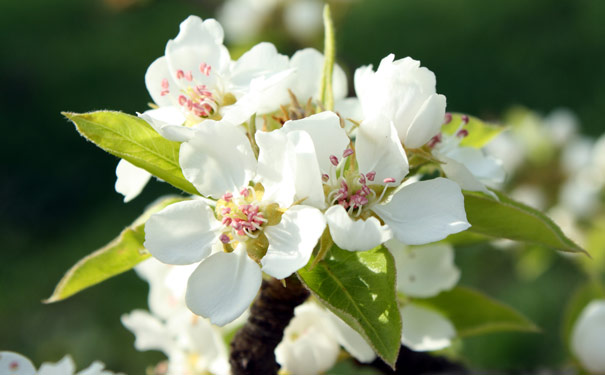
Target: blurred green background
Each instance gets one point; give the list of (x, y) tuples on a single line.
[(57, 199)]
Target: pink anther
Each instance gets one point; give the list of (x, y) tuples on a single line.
[(388, 180), (182, 100), (165, 83), (226, 210), (348, 152), (333, 160), (447, 119), (362, 179), (434, 141), (227, 197), (325, 177), (164, 92), (180, 74), (465, 119), (244, 192), (205, 69), (462, 133), (370, 175), (189, 76), (224, 238)]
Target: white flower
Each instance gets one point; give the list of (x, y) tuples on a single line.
[(260, 230), (588, 337), (358, 199), (422, 272), (196, 80), (402, 92), (312, 340), (16, 364), (470, 167), (130, 180)]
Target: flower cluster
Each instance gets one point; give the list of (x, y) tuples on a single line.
[(275, 176)]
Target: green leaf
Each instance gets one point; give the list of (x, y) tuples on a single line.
[(473, 313), (479, 132), (506, 218), (359, 287), (120, 255), (134, 140), (326, 91)]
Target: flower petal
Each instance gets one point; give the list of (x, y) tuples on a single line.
[(355, 235), (309, 63), (261, 60), (378, 149), (288, 169), (181, 233), (197, 42), (16, 364), (223, 286), (424, 271), (327, 135), (424, 329), (588, 337), (131, 180), (154, 77), (426, 123), (218, 159), (352, 341), (460, 174), (485, 168), (168, 122), (425, 211), (292, 240), (150, 333), (64, 366)]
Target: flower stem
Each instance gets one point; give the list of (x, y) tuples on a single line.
[(252, 348)]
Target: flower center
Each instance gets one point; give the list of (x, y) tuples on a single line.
[(241, 216), (350, 188), (196, 98)]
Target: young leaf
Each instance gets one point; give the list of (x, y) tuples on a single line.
[(120, 255), (133, 139), (326, 91), (473, 313), (506, 218), (359, 287), (479, 132)]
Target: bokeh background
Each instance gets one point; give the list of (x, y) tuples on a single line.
[(57, 202)]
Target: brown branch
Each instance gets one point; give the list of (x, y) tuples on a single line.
[(252, 348)]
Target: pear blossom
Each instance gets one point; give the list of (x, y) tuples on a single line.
[(196, 80), (15, 364), (470, 167), (404, 93), (259, 226), (423, 272), (312, 341), (588, 337), (365, 203)]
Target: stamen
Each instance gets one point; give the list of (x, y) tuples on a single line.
[(362, 179), (180, 74), (462, 133), (447, 119), (224, 238), (165, 83), (189, 76), (244, 192), (370, 175), (464, 120), (205, 69), (334, 160), (388, 180), (348, 152), (227, 197), (435, 140), (325, 177)]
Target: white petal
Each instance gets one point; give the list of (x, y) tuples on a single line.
[(168, 122), (223, 286), (95, 368), (150, 333), (485, 168), (425, 211), (349, 108), (195, 44), (15, 364), (458, 173), (64, 366), (424, 271), (309, 63), (288, 169), (308, 346), (131, 180), (218, 159), (588, 337), (427, 122), (328, 137), (424, 329), (261, 60), (292, 240), (378, 149), (156, 73), (355, 235), (181, 233), (352, 341)]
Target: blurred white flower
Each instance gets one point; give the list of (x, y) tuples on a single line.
[(588, 337), (16, 364)]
